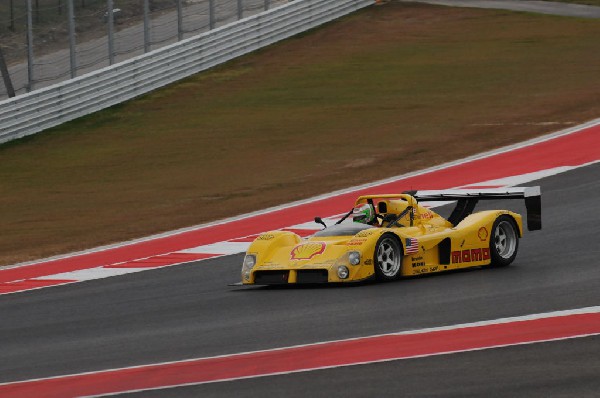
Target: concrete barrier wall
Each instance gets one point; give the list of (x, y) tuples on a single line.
[(42, 109)]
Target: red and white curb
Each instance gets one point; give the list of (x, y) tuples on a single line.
[(217, 249), (514, 165), (504, 332)]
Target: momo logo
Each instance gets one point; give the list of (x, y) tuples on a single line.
[(467, 256), (306, 251)]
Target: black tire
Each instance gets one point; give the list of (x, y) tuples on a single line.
[(388, 258), (504, 241)]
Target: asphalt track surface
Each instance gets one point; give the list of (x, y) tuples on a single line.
[(539, 7), (188, 311), (506, 372)]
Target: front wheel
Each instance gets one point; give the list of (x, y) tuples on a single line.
[(388, 258), (504, 241)]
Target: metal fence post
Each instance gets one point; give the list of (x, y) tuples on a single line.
[(146, 26), (111, 20), (10, 90), (72, 38), (29, 46), (211, 14), (37, 11), (12, 17), (240, 9), (179, 21)]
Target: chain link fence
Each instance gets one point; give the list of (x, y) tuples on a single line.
[(43, 42)]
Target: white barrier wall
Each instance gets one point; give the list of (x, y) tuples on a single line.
[(39, 110)]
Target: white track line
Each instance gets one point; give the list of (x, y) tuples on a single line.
[(483, 155), (529, 317)]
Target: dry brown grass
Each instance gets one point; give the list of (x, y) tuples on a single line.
[(385, 91)]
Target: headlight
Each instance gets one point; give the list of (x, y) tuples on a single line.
[(354, 258), (343, 272), (249, 261)]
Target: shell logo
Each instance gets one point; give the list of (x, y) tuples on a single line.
[(306, 251), (482, 233)]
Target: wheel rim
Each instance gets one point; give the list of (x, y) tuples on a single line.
[(388, 257), (505, 239)]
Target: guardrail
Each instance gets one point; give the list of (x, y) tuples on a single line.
[(45, 108)]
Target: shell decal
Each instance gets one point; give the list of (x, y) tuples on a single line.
[(306, 251), (482, 233)]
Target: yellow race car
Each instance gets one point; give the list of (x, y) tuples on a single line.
[(385, 237)]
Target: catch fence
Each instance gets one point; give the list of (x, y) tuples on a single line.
[(47, 107), (47, 41)]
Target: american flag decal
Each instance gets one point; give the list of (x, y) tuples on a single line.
[(412, 245)]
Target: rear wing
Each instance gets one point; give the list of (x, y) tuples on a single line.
[(468, 198)]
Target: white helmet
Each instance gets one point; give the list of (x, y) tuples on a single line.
[(363, 214)]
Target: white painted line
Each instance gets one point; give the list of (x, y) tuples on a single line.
[(483, 155), (219, 248), (304, 370), (311, 225), (229, 248), (92, 273), (529, 317), (524, 178)]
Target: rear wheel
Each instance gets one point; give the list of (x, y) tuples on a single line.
[(388, 258), (504, 241)]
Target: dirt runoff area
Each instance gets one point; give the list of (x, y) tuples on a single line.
[(388, 90)]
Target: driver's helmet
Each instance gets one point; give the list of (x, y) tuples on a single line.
[(364, 213)]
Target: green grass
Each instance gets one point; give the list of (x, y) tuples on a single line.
[(385, 91)]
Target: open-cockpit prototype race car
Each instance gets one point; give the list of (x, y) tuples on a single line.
[(396, 236)]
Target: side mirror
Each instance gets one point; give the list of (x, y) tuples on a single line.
[(318, 220)]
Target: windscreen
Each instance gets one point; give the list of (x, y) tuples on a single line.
[(343, 229)]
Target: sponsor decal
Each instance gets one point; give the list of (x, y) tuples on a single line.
[(274, 266), (417, 261), (356, 242), (433, 269), (412, 245), (315, 265), (426, 216), (482, 233), (265, 237), (308, 250), (468, 256), (369, 261), (363, 234)]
